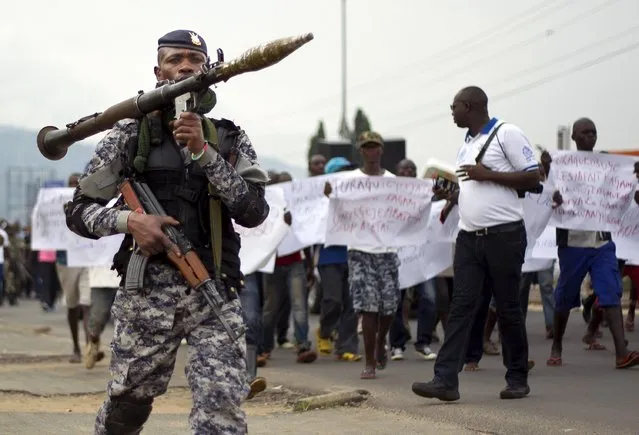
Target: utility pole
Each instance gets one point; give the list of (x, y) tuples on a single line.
[(343, 128), (563, 137)]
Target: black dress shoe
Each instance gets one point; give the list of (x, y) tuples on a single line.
[(514, 392), (435, 390)]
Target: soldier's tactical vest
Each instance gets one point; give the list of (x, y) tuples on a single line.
[(181, 187)]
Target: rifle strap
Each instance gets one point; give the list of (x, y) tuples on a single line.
[(215, 205)]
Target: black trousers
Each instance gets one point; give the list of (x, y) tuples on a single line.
[(487, 262)]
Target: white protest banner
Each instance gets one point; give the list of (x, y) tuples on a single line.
[(379, 211), (259, 243), (537, 212), (446, 232), (290, 244), (536, 264), (423, 262), (546, 245), (94, 253), (627, 237), (48, 222), (309, 207), (269, 267), (596, 189)]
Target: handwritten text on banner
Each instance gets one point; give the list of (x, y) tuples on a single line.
[(596, 189), (309, 207), (48, 221), (379, 211)]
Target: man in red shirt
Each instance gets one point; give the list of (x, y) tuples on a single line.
[(288, 277)]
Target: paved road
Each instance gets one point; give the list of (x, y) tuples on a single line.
[(586, 396)]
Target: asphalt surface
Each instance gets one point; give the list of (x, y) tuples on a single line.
[(586, 396)]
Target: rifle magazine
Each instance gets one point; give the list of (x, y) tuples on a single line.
[(135, 272)]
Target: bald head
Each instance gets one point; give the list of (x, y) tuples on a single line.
[(470, 108), (584, 133), (74, 179), (407, 168), (272, 177), (475, 96), (284, 177)]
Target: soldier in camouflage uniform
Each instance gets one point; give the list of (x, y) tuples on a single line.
[(151, 322), (15, 269)]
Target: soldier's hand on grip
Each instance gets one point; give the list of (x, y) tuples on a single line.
[(147, 232), (187, 130)]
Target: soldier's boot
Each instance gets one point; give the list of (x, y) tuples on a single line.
[(127, 416), (257, 383)]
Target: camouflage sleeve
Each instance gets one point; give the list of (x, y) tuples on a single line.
[(87, 215), (240, 187)]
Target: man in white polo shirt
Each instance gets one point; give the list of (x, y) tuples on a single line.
[(493, 164)]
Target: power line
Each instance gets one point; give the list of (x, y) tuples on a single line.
[(456, 49), (542, 81), (551, 62), (463, 45), (407, 84)]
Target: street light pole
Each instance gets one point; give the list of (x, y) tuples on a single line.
[(343, 128)]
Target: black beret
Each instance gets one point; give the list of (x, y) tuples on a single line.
[(183, 39)]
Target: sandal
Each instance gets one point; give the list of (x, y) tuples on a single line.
[(630, 361), (554, 361), (367, 373), (349, 356), (592, 343)]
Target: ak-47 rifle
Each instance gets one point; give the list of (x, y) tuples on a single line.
[(138, 196), (53, 142)]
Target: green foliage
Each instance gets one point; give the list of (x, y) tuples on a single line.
[(361, 124), (319, 135)]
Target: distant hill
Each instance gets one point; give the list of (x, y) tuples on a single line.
[(25, 169)]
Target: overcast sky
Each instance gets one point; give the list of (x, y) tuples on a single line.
[(406, 60)]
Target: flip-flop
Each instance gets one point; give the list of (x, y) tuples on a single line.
[(367, 373), (631, 360), (592, 343), (554, 361)]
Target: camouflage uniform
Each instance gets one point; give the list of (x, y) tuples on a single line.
[(149, 324), (15, 270)]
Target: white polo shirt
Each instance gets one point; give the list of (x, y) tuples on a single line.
[(484, 204)]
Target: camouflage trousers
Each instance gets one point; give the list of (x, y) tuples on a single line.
[(149, 326)]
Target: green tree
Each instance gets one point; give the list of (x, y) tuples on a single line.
[(319, 135), (361, 124)]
